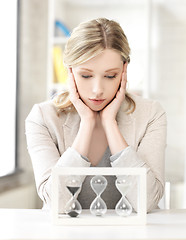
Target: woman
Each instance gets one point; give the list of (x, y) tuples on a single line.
[(97, 123)]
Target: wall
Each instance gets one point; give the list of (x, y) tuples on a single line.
[(32, 80), (20, 197), (168, 84)]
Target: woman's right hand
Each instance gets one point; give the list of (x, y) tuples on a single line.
[(85, 113)]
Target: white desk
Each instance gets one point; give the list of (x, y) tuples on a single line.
[(36, 224)]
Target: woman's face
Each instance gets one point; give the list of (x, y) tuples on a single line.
[(98, 79)]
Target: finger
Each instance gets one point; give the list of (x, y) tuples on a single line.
[(74, 96), (121, 93), (124, 76), (72, 83), (125, 70), (123, 81), (71, 77)]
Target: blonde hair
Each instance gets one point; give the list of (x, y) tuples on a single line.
[(87, 41)]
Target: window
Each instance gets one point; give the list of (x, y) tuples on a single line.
[(8, 85)]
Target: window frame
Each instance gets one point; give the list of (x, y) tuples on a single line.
[(11, 179)]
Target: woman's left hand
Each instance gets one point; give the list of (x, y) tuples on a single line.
[(108, 114)]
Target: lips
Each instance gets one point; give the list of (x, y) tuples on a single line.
[(97, 101)]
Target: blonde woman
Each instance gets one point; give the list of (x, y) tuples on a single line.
[(97, 123)]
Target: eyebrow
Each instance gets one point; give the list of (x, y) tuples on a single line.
[(111, 69), (86, 69)]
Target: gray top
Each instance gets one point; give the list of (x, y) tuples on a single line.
[(111, 195)]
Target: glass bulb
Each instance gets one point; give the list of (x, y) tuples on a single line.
[(98, 207), (123, 207), (73, 207)]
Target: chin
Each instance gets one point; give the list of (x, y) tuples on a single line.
[(96, 108)]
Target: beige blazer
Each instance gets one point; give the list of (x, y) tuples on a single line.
[(49, 140)]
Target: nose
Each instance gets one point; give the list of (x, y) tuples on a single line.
[(97, 88)]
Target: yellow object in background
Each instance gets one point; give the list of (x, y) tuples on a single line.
[(60, 71)]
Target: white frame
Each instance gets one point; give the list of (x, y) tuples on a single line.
[(110, 218)]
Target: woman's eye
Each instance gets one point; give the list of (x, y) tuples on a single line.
[(86, 76), (111, 76)]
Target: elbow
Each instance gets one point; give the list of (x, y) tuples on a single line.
[(154, 195), (44, 195)]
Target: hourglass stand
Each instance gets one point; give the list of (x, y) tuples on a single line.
[(73, 207), (123, 207), (98, 207)]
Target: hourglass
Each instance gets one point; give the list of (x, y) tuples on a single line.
[(73, 207), (123, 207), (98, 207)]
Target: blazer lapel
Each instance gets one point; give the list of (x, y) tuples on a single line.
[(126, 123), (70, 128)]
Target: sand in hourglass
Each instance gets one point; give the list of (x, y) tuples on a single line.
[(73, 190)]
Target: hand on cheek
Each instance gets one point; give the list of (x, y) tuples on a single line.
[(74, 95), (108, 114), (122, 88), (84, 111)]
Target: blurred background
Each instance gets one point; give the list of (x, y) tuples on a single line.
[(33, 35)]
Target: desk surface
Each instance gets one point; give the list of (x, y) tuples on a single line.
[(36, 224)]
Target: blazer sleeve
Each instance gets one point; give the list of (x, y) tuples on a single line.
[(150, 154), (45, 156)]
